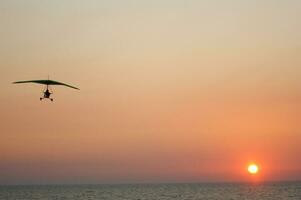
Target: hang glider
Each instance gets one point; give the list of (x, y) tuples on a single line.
[(47, 93)]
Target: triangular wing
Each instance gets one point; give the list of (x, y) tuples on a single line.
[(46, 82)]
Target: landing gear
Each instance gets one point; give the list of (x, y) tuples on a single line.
[(41, 98)]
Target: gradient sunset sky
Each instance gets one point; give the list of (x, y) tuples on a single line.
[(171, 90)]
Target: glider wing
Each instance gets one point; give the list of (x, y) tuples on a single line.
[(46, 82)]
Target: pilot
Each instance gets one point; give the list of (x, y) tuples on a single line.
[(47, 93)]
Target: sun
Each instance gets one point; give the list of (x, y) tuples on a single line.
[(253, 169)]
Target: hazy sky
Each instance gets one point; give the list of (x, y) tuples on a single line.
[(171, 90)]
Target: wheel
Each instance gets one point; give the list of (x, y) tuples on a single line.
[(41, 99), (51, 99)]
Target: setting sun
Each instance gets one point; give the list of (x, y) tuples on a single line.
[(253, 169)]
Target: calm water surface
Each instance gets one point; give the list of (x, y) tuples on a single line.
[(266, 191)]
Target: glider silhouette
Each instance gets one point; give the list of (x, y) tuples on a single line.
[(48, 82)]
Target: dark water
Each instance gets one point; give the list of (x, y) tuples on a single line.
[(264, 191)]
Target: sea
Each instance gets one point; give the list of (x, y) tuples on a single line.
[(187, 191)]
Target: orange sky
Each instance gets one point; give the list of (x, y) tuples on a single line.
[(170, 91)]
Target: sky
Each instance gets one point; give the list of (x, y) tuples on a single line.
[(171, 91)]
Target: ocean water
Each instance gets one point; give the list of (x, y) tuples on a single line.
[(223, 191)]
